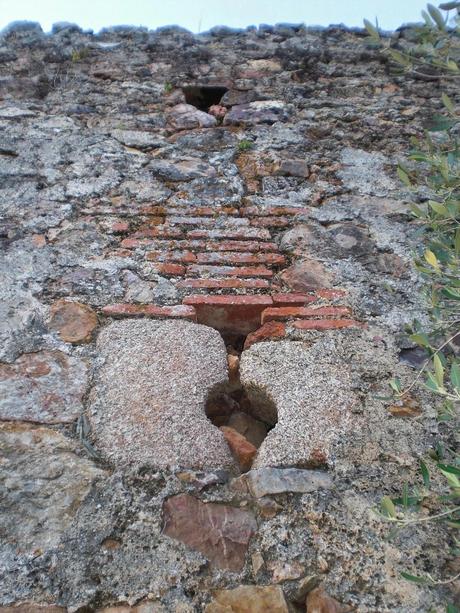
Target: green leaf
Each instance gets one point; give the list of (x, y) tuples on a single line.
[(448, 103), (431, 259), (439, 123), (420, 339), (425, 474), (414, 578), (431, 383), (451, 608), (455, 375), (371, 29), (436, 15), (452, 293), (388, 508), (395, 384), (404, 177), (438, 208), (452, 480), (449, 468), (439, 370), (457, 242), (398, 57), (451, 65)]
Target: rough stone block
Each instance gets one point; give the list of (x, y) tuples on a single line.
[(147, 406)]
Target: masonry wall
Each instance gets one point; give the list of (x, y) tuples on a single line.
[(206, 277)]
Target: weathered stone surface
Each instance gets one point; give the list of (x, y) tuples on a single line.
[(249, 599), (310, 388), (32, 607), (220, 532), (306, 275), (148, 402), (267, 481), (263, 111), (186, 117), (364, 172), (139, 140), (182, 170), (43, 387), (73, 321), (43, 481), (142, 607)]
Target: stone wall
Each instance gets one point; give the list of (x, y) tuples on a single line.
[(206, 274)]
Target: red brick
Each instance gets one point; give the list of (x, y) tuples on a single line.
[(330, 294), (267, 332), (199, 211), (224, 283), (149, 310), (236, 314), (326, 324), (172, 270), (270, 222), (161, 231), (237, 233), (225, 223), (293, 299), (229, 271), (283, 313), (240, 258), (185, 257), (240, 246), (268, 211)]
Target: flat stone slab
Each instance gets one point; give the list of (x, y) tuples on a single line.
[(42, 387), (147, 406), (42, 483), (308, 389), (266, 481)]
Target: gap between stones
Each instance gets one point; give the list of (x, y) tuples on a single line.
[(243, 422)]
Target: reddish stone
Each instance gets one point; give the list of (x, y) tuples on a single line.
[(233, 362), (223, 283), (326, 324), (241, 258), (283, 313), (306, 275), (237, 314), (229, 271), (149, 310), (220, 532), (32, 607), (293, 299), (240, 246), (73, 321), (171, 270), (217, 110), (119, 226), (243, 451), (267, 332), (38, 240), (318, 601)]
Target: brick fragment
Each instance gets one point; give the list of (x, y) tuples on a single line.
[(243, 451), (235, 314), (284, 313), (241, 258), (237, 233), (226, 223), (229, 271), (270, 222), (161, 231), (223, 283), (150, 310), (170, 270), (184, 257), (326, 324), (330, 294), (269, 331), (292, 299)]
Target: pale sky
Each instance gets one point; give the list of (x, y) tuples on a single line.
[(200, 15)]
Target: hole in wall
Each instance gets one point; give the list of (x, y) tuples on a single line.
[(244, 418), (203, 96)]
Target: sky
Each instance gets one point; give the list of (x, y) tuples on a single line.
[(201, 15)]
